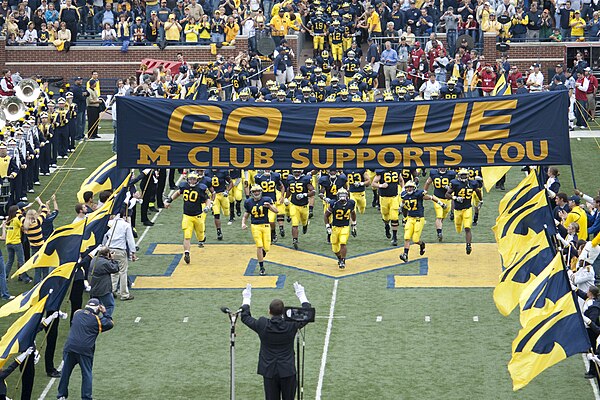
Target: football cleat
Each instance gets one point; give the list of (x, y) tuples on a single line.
[(341, 264), (440, 237), (219, 234), (403, 257), (281, 232), (200, 244), (262, 271), (469, 248), (422, 248), (295, 244), (394, 242), (186, 257), (451, 216), (274, 239)]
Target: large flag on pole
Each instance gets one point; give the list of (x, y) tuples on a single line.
[(552, 325), (21, 334), (56, 283), (60, 248), (106, 177)]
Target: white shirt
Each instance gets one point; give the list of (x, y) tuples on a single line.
[(428, 87), (589, 253), (535, 82), (584, 278), (122, 238), (30, 36)]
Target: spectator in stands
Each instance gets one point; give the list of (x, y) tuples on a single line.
[(565, 12), (424, 24), (109, 36), (196, 10), (534, 17), (593, 27), (51, 15), (106, 16), (123, 31), (151, 5), (217, 29), (38, 19), (153, 28), (138, 31), (546, 23), (577, 25), (191, 31), (373, 22), (450, 23), (519, 25), (231, 29), (391, 34), (204, 28), (172, 30), (70, 16), (63, 38), (43, 36), (31, 35), (556, 35)]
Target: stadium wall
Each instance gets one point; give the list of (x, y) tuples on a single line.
[(110, 62)]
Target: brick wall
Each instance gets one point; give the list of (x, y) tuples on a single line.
[(110, 62)]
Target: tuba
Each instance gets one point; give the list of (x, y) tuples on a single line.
[(2, 120), (13, 108), (28, 90)]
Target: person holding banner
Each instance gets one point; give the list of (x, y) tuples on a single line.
[(462, 191)]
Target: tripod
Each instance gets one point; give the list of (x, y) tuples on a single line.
[(300, 363), (233, 317)]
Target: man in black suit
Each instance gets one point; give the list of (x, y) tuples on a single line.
[(276, 358)]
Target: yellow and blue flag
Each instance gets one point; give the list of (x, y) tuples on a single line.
[(491, 175), (55, 285), (21, 333), (552, 326), (525, 259), (502, 87), (106, 177), (530, 182), (60, 248)]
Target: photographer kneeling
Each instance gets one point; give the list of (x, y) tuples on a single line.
[(101, 269), (276, 360)]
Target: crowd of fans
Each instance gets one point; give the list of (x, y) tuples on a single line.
[(44, 22)]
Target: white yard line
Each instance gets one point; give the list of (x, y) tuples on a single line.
[(592, 381), (427, 318), (475, 318), (327, 336), (138, 319), (379, 318), (186, 319), (49, 385)]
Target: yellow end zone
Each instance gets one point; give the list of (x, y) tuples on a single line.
[(225, 266)]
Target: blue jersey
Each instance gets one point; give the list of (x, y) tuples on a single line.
[(219, 179), (297, 186), (332, 185), (258, 209), (441, 181), (475, 172), (341, 212), (285, 174), (355, 176), (194, 198), (392, 178), (269, 183), (464, 189), (413, 203)]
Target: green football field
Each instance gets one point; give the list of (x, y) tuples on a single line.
[(374, 337)]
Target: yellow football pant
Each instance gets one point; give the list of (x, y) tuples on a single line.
[(413, 228), (463, 219), (318, 42), (221, 203), (440, 212), (299, 215), (237, 192), (360, 198), (389, 208), (337, 52), (191, 224), (261, 233), (339, 236)]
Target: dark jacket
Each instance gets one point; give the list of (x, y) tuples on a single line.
[(276, 357), (99, 275), (85, 328), (79, 97)]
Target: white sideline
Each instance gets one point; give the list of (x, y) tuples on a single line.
[(49, 385), (326, 345), (592, 381)]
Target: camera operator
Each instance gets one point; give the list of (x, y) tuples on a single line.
[(276, 357), (101, 268), (81, 345)]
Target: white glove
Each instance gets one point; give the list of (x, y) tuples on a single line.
[(459, 199), (299, 289), (478, 178), (63, 315), (286, 202), (587, 321), (321, 196), (147, 171), (247, 295), (480, 203), (21, 357), (36, 357), (328, 228), (226, 193), (359, 184), (442, 204), (300, 196), (207, 209), (50, 318)]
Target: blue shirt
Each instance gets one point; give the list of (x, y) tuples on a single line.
[(389, 57)]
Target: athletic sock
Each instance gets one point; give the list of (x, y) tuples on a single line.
[(261, 264), (394, 235), (406, 251), (439, 231)]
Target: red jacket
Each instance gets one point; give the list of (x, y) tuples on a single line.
[(582, 88), (9, 85), (512, 78), (415, 56), (488, 80), (593, 84)]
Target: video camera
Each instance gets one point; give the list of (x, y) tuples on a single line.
[(299, 314)]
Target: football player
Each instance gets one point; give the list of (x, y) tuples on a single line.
[(221, 184), (462, 190), (340, 222), (272, 187), (336, 36), (412, 201), (329, 184), (299, 189), (388, 182), (196, 203), (351, 66), (440, 179), (258, 207), (475, 175), (358, 179), (236, 195)]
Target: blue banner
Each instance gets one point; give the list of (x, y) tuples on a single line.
[(509, 130)]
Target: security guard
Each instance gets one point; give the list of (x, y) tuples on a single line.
[(258, 207)]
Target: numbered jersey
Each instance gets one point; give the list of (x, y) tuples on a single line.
[(219, 179), (340, 212), (464, 189), (413, 203), (441, 182), (297, 186), (351, 67), (475, 173), (332, 185), (355, 176), (285, 174), (269, 183), (409, 174), (258, 209), (193, 197), (392, 178)]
